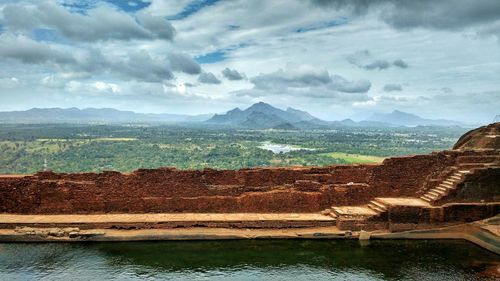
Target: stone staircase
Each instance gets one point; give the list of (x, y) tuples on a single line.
[(355, 217), (376, 211), (372, 215), (378, 206), (444, 188), (466, 165)]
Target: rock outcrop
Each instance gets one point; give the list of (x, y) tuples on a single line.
[(486, 137)]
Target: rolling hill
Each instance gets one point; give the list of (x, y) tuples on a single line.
[(93, 115)]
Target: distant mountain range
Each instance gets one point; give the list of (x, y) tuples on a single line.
[(264, 116), (258, 116), (400, 118), (93, 115)]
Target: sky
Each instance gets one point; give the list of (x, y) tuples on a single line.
[(333, 58)]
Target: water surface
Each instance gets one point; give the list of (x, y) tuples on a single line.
[(245, 260), (278, 148)]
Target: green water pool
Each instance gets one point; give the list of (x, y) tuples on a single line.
[(246, 260)]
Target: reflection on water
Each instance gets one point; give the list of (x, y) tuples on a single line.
[(245, 260), (277, 148)]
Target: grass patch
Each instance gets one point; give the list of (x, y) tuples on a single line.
[(354, 158), (115, 139)]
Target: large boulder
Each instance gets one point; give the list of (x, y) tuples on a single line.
[(486, 137)]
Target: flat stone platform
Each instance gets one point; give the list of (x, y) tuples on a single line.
[(195, 233), (158, 218), (356, 211), (169, 220), (403, 201)]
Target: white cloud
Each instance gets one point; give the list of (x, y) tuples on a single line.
[(310, 44), (100, 23), (110, 87), (9, 83)]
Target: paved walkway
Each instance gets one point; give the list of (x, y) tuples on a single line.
[(171, 217), (404, 201), (203, 233)]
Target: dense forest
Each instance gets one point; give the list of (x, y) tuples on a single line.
[(77, 148)]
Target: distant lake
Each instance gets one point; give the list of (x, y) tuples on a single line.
[(281, 148), (245, 260)]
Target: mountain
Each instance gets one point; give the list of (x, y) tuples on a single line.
[(264, 116), (258, 116), (400, 118), (93, 115)]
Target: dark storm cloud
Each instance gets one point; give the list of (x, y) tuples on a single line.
[(101, 23), (432, 14), (208, 78), (184, 63), (233, 74), (393, 87)]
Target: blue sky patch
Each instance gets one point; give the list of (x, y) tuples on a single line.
[(43, 34), (212, 57), (191, 8), (129, 5), (219, 55), (80, 7)]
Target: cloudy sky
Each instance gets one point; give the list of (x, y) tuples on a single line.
[(335, 59)]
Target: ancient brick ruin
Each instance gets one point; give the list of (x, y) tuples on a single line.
[(443, 187)]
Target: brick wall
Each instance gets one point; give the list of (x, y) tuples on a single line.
[(248, 190)]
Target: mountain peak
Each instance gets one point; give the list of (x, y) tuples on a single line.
[(262, 115), (399, 112), (260, 106)]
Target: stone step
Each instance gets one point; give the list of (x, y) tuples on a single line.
[(381, 205), (428, 197), (434, 193), (449, 182), (423, 197), (464, 172), (472, 166), (447, 185), (443, 189), (376, 208), (439, 191), (456, 177), (433, 197)]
